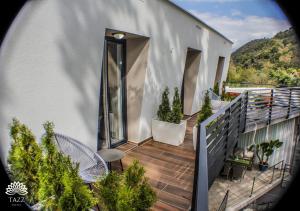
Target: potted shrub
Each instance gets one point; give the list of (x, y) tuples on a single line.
[(24, 159), (169, 128), (216, 88), (263, 151), (51, 178), (128, 191), (205, 112)]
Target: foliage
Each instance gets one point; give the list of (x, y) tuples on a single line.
[(226, 96), (108, 190), (267, 61), (264, 150), (51, 178), (76, 195), (216, 88), (164, 109), (288, 77), (129, 191), (206, 110), (165, 113), (60, 185), (24, 159), (176, 113)]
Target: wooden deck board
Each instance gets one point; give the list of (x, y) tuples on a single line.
[(170, 169)]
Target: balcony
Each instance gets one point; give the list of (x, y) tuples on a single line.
[(219, 134)]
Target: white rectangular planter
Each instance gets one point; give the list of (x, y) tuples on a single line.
[(168, 133)]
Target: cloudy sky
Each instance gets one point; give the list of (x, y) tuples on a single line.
[(239, 20)]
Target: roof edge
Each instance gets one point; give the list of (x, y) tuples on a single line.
[(197, 19)]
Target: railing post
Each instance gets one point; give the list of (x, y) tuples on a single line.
[(246, 108), (252, 187), (243, 112), (272, 175), (289, 105), (282, 178), (281, 168), (227, 119), (200, 190), (271, 107)]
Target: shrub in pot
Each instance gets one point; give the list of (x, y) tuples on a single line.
[(61, 187), (51, 178), (263, 151), (169, 128), (24, 159), (129, 191), (216, 88), (205, 112)]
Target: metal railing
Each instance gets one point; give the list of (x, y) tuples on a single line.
[(213, 95), (268, 105), (223, 204), (265, 179), (247, 84), (218, 135)]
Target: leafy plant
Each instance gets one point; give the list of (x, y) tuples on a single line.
[(206, 110), (176, 114), (226, 96), (129, 191), (264, 150), (107, 190), (267, 61), (165, 113), (76, 195), (164, 109), (24, 159), (216, 88), (60, 185)]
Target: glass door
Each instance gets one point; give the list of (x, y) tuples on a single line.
[(114, 94)]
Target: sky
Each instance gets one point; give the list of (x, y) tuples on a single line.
[(239, 20)]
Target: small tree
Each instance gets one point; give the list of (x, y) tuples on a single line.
[(76, 195), (24, 159), (176, 114), (164, 109), (61, 188), (107, 190), (216, 88), (206, 110), (264, 150), (51, 171), (129, 191)]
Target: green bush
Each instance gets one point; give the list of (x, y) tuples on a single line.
[(265, 149), (50, 177), (165, 113), (164, 109), (107, 190), (216, 88), (24, 159), (176, 114), (76, 195), (206, 110), (129, 191), (61, 188)]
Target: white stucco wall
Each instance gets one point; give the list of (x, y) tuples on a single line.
[(51, 59)]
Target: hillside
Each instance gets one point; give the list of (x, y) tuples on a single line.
[(267, 61)]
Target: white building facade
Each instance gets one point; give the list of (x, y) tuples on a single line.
[(60, 62)]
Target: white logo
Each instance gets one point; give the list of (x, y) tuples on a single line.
[(16, 187)]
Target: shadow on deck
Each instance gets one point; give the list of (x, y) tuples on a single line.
[(170, 169)]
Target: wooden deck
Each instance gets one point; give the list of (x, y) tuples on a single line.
[(170, 169)]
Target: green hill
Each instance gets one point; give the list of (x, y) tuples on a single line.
[(267, 61)]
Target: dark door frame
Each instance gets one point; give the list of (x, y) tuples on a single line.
[(106, 90)]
